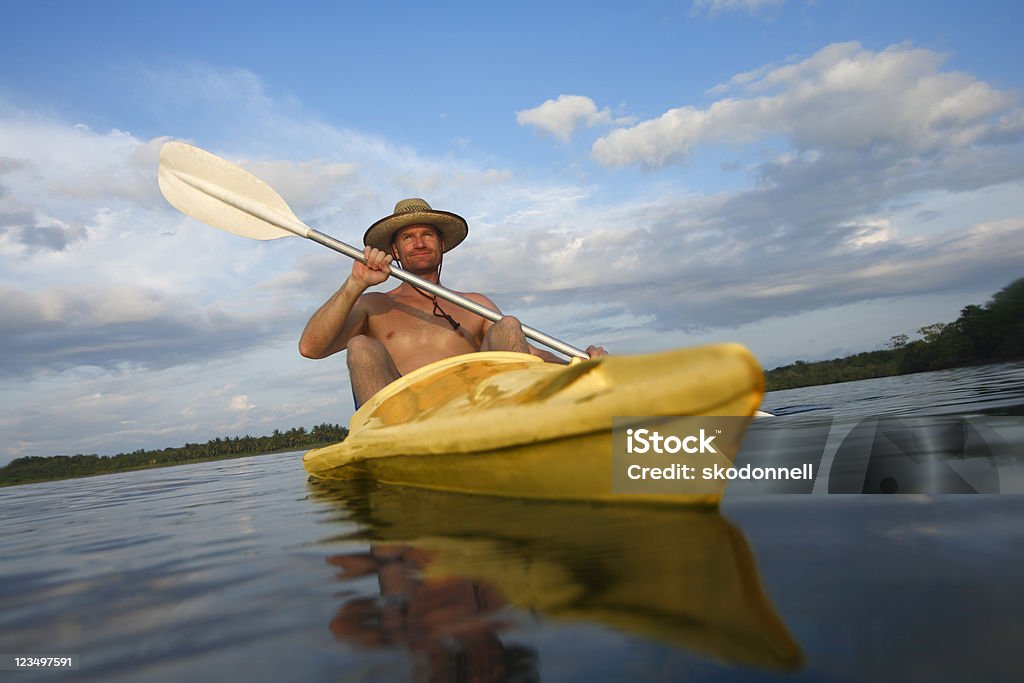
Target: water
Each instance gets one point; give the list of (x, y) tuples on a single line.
[(243, 569)]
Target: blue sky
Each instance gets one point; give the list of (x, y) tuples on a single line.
[(808, 178)]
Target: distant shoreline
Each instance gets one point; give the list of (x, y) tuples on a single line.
[(36, 469), (162, 465), (774, 385), (982, 335)]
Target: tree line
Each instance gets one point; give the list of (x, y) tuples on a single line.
[(982, 334), (37, 468)]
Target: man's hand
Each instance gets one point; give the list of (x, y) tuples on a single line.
[(376, 270), (596, 351)]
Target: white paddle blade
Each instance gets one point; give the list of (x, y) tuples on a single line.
[(218, 193)]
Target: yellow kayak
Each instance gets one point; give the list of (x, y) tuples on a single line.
[(508, 424)]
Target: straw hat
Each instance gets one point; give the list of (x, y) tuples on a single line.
[(415, 211)]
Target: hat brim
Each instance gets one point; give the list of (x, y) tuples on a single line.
[(453, 228)]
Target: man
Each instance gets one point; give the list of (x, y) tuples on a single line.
[(389, 334)]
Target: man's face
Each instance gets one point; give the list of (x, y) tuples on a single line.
[(419, 248)]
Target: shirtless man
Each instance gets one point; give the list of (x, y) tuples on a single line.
[(389, 334)]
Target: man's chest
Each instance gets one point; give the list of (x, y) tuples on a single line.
[(405, 324)]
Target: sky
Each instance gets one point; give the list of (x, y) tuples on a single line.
[(808, 178)]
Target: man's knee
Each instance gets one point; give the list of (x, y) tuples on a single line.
[(362, 349), (506, 335), (509, 323)]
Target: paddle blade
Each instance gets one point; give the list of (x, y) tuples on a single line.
[(218, 193)]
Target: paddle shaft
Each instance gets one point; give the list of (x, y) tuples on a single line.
[(273, 219), (446, 294)]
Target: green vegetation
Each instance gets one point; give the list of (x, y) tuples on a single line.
[(35, 469), (982, 334)]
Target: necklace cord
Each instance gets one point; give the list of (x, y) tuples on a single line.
[(438, 311)]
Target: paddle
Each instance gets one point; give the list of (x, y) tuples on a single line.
[(218, 193)]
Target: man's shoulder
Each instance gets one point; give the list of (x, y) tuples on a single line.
[(375, 301), (478, 297)]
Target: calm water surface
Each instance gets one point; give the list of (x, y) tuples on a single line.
[(245, 569)]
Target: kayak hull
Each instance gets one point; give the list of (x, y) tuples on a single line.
[(577, 467), (507, 424)]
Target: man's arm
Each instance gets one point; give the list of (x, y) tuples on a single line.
[(344, 316)]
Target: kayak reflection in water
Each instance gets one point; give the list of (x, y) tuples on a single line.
[(450, 623), (389, 334), (479, 566)]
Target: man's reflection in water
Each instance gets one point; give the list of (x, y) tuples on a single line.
[(450, 624)]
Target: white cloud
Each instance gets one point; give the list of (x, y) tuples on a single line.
[(105, 326), (714, 7), (844, 98), (75, 163), (24, 232), (870, 232), (563, 116), (305, 185), (240, 403)]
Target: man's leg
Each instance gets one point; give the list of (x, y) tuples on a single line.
[(370, 367), (505, 335)]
